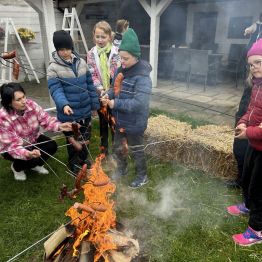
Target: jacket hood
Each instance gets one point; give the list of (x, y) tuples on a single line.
[(57, 59), (142, 67)]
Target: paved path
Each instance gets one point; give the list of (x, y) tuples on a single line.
[(217, 104), (176, 98)]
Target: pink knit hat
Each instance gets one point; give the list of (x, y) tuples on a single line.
[(256, 48)]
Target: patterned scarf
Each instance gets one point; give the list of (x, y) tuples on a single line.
[(102, 53), (257, 81)]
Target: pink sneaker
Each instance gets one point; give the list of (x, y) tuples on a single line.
[(248, 238), (237, 210)]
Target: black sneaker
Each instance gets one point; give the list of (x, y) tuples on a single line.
[(138, 182)]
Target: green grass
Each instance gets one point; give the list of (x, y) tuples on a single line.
[(178, 216)]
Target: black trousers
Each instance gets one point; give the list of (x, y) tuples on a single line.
[(252, 186), (49, 147), (104, 124), (239, 150), (79, 157), (135, 144)]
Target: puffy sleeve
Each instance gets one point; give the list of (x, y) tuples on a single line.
[(11, 142), (140, 98), (92, 92), (45, 120), (56, 89)]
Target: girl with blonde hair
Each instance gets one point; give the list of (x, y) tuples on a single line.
[(103, 61)]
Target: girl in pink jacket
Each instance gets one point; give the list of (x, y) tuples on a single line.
[(249, 127)]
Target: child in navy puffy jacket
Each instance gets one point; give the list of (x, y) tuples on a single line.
[(129, 101)]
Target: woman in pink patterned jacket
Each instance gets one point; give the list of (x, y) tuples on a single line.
[(103, 60), (21, 120)]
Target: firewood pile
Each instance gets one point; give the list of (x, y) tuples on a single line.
[(207, 148), (93, 234)]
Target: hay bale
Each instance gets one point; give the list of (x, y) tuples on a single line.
[(208, 148), (163, 128), (169, 128), (214, 151)]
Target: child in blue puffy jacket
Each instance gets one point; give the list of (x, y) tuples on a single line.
[(71, 87)]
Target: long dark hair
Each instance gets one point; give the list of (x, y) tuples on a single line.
[(8, 94)]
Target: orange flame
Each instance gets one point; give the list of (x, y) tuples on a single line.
[(95, 216)]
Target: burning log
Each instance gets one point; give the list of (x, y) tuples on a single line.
[(85, 252), (127, 248), (56, 240), (95, 237)]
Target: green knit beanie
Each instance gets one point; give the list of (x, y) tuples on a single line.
[(130, 43)]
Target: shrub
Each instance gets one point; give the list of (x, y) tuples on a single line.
[(26, 34)]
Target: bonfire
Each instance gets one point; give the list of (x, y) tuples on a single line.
[(92, 234)]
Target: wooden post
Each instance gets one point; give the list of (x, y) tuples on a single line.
[(45, 10), (154, 41), (49, 27), (154, 10)]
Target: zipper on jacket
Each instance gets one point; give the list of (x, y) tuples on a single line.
[(254, 106)]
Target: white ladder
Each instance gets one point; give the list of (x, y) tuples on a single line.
[(68, 24), (9, 26), (25, 68)]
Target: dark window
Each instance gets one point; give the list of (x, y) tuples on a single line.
[(237, 26), (204, 31)]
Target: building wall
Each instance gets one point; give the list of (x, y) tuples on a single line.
[(93, 13), (25, 16), (225, 10)]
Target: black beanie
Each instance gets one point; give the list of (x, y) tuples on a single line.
[(62, 39)]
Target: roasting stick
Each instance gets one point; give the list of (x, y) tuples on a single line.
[(42, 151), (135, 146), (144, 146), (43, 142), (42, 239), (50, 168), (173, 99), (87, 147), (168, 140)]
